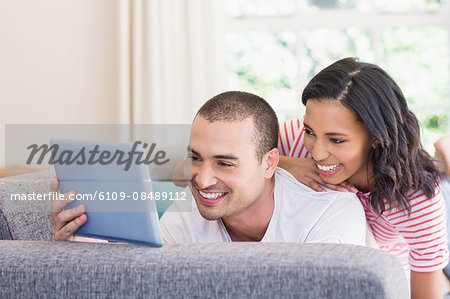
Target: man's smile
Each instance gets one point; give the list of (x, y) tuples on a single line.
[(212, 195), (211, 198)]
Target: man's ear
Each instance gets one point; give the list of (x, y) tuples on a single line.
[(270, 161)]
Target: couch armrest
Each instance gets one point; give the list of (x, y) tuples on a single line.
[(25, 219), (71, 269)]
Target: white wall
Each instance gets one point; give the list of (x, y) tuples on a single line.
[(58, 63)]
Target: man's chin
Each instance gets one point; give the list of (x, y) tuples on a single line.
[(209, 215), (207, 212)]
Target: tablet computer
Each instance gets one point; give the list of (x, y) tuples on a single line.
[(114, 187)]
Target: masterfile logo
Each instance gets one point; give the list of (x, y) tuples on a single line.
[(97, 156)]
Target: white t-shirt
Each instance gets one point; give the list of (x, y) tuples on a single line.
[(300, 215)]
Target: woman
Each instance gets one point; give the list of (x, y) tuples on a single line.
[(362, 137)]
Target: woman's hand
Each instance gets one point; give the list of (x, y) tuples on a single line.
[(182, 173), (306, 172), (442, 153)]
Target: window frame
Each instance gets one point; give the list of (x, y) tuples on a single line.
[(346, 18)]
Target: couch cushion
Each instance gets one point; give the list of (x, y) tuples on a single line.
[(232, 270)]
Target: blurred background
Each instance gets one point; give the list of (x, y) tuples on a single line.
[(157, 61)]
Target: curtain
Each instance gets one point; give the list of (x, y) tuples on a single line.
[(170, 59)]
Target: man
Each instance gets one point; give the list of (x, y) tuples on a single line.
[(239, 193)]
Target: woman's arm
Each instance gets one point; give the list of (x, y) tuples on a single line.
[(427, 285)]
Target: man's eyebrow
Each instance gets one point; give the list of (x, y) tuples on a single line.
[(327, 134), (224, 157), (190, 150)]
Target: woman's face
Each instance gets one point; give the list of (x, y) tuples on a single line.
[(340, 145)]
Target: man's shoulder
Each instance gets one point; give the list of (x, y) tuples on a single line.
[(298, 195), (310, 216), (291, 185)]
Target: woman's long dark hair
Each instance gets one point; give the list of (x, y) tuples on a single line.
[(400, 165)]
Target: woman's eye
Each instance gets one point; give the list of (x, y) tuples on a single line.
[(308, 131), (337, 141)]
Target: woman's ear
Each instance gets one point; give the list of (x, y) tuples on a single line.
[(270, 161), (374, 143)]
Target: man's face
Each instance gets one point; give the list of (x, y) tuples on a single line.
[(227, 177)]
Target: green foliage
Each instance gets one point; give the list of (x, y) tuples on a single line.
[(277, 67), (438, 122)]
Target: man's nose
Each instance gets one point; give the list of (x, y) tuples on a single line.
[(205, 176)]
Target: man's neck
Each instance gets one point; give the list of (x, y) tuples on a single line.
[(251, 225)]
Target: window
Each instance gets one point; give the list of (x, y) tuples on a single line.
[(274, 47)]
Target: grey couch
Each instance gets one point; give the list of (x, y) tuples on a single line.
[(32, 265)]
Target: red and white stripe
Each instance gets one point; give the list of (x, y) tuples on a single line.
[(290, 141)]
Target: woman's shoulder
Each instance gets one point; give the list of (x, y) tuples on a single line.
[(420, 204), (416, 196)]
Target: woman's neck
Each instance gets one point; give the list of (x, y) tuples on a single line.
[(364, 181)]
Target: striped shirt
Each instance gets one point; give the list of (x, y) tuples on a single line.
[(419, 240)]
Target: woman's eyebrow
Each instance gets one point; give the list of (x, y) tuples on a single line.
[(335, 134), (328, 134)]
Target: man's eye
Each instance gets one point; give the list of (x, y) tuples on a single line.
[(224, 164), (194, 158), (337, 141)]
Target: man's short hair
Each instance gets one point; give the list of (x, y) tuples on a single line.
[(234, 106)]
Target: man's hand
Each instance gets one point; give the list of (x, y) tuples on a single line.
[(306, 172), (65, 222)]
